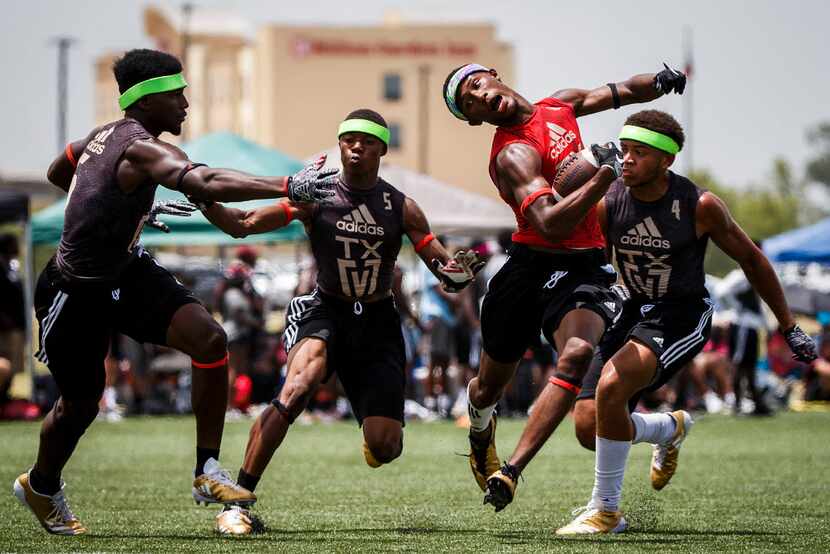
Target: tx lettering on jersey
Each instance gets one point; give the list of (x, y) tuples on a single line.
[(653, 282), (358, 271)]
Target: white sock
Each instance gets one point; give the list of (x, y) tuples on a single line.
[(653, 428), (611, 457), (479, 417), (109, 398)]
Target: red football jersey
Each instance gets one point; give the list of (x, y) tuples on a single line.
[(553, 132)]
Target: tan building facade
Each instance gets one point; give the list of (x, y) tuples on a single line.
[(289, 87)]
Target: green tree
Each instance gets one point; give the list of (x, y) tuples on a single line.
[(818, 167)]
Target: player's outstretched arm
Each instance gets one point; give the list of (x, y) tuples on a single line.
[(638, 89), (712, 217), (454, 272), (241, 223), (170, 167), (519, 169)]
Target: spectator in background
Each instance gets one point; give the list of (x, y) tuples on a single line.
[(410, 326), (738, 296), (713, 365), (817, 376), (438, 316), (12, 315), (241, 309)]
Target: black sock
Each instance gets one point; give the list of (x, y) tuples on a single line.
[(43, 484), (202, 455), (247, 480)]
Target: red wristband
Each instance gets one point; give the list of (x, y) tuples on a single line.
[(532, 198), (70, 156), (565, 385), (210, 365), (423, 242), (287, 209)]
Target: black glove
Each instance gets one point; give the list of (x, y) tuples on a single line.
[(310, 184), (459, 271), (803, 347), (168, 207), (608, 155), (670, 80)]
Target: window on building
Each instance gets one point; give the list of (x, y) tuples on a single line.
[(394, 136), (392, 87)]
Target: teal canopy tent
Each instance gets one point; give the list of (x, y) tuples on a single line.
[(216, 150)]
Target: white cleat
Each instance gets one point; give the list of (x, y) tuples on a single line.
[(236, 520), (664, 457), (215, 486), (52, 512), (593, 521)]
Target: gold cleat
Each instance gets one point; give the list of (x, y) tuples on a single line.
[(501, 487), (592, 521), (371, 461), (236, 520), (484, 461), (52, 512), (215, 486), (664, 457)]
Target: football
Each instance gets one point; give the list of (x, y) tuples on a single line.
[(573, 172)]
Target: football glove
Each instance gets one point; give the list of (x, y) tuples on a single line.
[(608, 155), (459, 271), (670, 80), (178, 208), (310, 184), (803, 347)]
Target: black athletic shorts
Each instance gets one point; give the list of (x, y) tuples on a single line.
[(675, 331), (534, 290), (743, 346), (77, 321), (364, 346)]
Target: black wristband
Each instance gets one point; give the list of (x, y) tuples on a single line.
[(614, 95), (184, 172)]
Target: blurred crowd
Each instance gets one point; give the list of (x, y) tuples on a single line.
[(744, 368)]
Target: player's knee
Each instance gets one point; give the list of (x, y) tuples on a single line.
[(293, 399), (611, 387), (73, 418), (386, 449), (576, 356), (216, 342)]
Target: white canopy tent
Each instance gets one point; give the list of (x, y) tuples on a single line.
[(449, 209)]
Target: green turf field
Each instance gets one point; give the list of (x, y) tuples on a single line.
[(743, 485)]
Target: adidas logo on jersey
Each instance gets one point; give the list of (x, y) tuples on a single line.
[(560, 139), (360, 220), (645, 234)]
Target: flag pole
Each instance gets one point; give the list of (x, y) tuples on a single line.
[(688, 115)]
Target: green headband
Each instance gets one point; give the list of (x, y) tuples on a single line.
[(155, 85), (364, 126), (652, 138)]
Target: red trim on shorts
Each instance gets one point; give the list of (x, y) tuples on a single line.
[(532, 198), (565, 385), (287, 210), (423, 242), (210, 365), (70, 156)]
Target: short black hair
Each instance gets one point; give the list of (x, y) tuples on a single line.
[(659, 122), (371, 115), (141, 64)]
